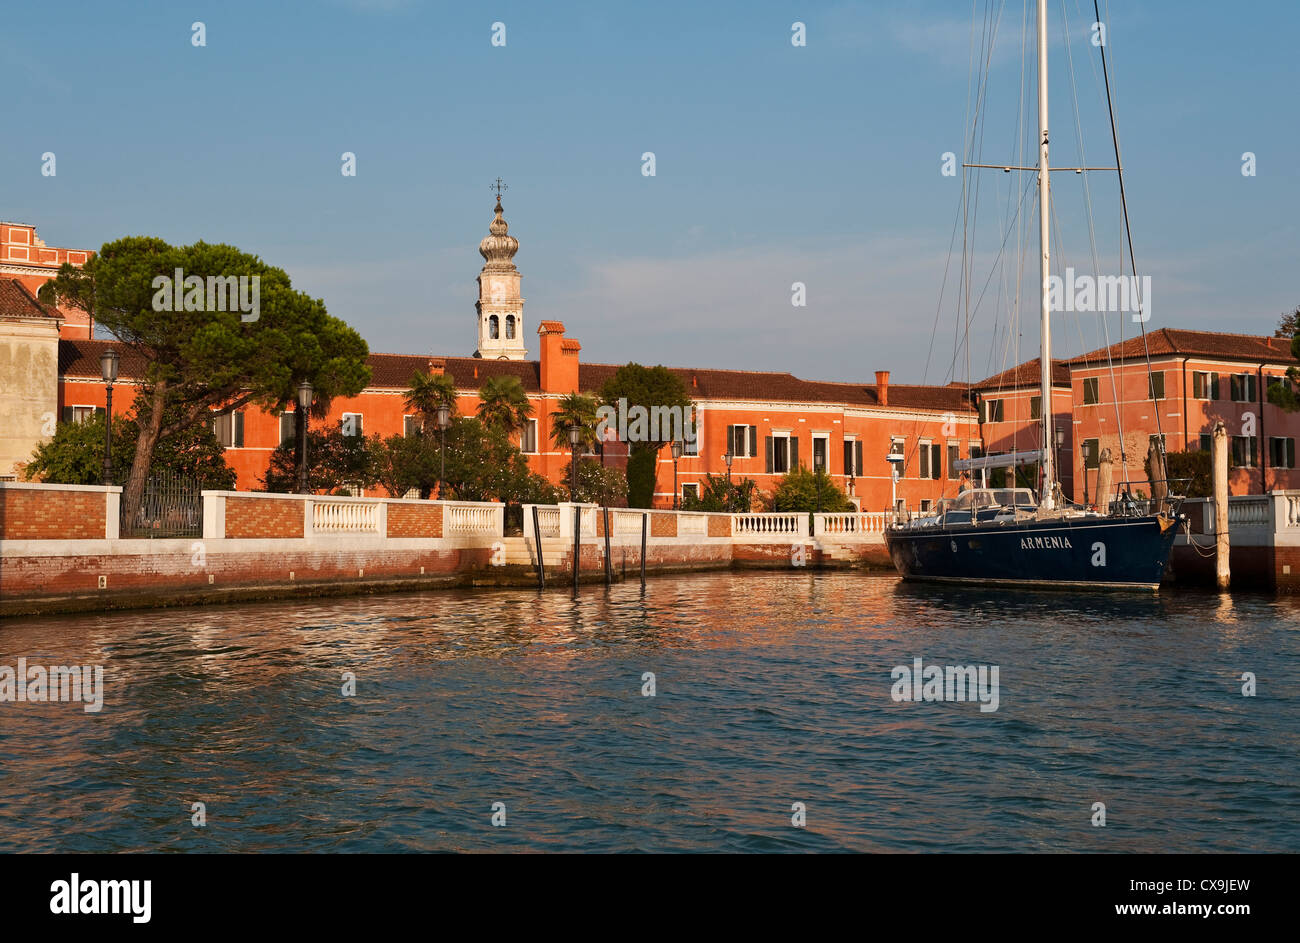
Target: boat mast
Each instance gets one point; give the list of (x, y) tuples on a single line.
[(1047, 498)]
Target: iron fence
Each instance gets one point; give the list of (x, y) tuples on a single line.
[(171, 506)]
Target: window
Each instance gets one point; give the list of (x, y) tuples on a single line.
[(410, 426), (782, 453), (742, 441), (1092, 391), (1036, 407), (821, 453), (990, 410), (1281, 452), (689, 446), (954, 456), (1207, 442), (925, 505), (930, 462), (229, 429), (1091, 453), (494, 327), (1205, 385), (80, 413), (528, 437), (852, 457), (510, 327), (1244, 451), (288, 427), (1243, 387), (691, 490), (350, 424), (1156, 385)]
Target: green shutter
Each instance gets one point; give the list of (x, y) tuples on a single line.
[(239, 430), (794, 452), (67, 414), (768, 445), (731, 440), (751, 447)]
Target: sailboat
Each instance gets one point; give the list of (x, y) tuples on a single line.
[(1016, 536)]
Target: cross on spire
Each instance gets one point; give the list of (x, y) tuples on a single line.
[(498, 187)]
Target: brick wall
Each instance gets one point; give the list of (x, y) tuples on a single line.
[(46, 514), (414, 520), (263, 517), (719, 525), (663, 525)]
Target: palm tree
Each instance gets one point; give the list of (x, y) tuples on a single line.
[(503, 404), (574, 409), (427, 392)]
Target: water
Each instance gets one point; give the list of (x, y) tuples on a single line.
[(772, 688)]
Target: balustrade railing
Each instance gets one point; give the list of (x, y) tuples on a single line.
[(344, 517), (473, 520), (785, 524)]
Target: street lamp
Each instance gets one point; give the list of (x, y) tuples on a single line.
[(442, 416), (817, 478), (728, 458), (677, 453), (895, 460), (108, 370), (575, 437), (304, 406)]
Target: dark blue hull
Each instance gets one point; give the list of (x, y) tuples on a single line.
[(1110, 553)]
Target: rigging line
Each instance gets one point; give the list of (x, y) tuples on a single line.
[(1128, 232), (1001, 249), (1088, 214)]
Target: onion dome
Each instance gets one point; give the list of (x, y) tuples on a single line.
[(499, 247)]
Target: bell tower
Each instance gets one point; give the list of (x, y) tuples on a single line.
[(500, 307)]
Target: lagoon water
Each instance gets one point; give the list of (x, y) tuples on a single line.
[(771, 689)]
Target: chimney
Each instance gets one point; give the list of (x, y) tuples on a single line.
[(882, 387), (558, 367), (437, 365)]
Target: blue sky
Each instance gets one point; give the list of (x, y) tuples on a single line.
[(775, 164)]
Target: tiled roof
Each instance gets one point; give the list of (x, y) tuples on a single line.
[(17, 302), (550, 327), (1168, 341), (1025, 374), (79, 358)]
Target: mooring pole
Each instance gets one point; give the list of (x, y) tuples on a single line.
[(1222, 574), (537, 537), (645, 519), (577, 543), (609, 567)]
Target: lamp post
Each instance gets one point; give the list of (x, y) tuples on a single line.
[(728, 458), (442, 415), (895, 459), (677, 453), (575, 437), (304, 406), (108, 370), (817, 478)]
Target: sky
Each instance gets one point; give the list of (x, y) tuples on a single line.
[(774, 164)]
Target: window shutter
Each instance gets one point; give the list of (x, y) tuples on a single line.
[(768, 442), (239, 430), (848, 458), (937, 460), (731, 439), (794, 452), (67, 414), (751, 447), (1214, 386), (1290, 453), (857, 457), (99, 410)]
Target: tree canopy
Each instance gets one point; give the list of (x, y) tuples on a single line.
[(199, 360)]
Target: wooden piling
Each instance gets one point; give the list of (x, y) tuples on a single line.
[(1219, 454), (645, 521), (577, 543), (537, 537), (609, 566)]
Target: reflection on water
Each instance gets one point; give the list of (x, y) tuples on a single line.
[(771, 689)]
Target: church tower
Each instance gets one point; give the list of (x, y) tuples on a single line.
[(500, 308)]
